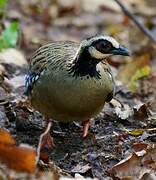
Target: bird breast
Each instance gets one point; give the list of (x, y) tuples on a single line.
[(59, 95)]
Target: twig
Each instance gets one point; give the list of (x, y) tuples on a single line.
[(147, 32), (40, 141)]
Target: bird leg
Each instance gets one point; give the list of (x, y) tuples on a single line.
[(86, 126), (46, 141)]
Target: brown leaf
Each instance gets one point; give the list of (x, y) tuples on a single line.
[(6, 138), (16, 158), (140, 146), (141, 111), (138, 164)]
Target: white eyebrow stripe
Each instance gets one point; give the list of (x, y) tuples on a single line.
[(108, 38)]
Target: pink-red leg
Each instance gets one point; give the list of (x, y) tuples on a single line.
[(46, 141), (86, 126)]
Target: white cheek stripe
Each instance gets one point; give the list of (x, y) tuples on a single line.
[(96, 54)]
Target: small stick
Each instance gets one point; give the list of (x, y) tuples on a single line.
[(147, 32), (40, 141)]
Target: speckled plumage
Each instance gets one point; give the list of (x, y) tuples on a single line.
[(67, 84)]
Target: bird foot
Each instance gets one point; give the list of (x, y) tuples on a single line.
[(46, 145), (47, 142), (86, 126)]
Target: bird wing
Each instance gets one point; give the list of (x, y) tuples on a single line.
[(55, 53)]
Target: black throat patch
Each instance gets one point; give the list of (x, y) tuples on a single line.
[(85, 65)]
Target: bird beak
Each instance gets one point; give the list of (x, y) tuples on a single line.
[(121, 51)]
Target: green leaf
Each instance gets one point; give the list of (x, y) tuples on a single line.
[(140, 73), (138, 67), (2, 43), (10, 35), (3, 4)]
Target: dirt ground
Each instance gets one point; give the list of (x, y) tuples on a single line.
[(129, 119)]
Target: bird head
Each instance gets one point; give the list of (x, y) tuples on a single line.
[(101, 47)]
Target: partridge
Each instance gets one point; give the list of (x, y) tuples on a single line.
[(69, 81)]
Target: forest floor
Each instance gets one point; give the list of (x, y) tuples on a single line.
[(126, 127)]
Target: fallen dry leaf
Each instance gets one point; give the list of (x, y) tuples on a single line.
[(16, 82), (147, 91), (12, 56), (69, 4), (77, 177), (6, 138), (125, 112), (94, 6), (122, 110), (17, 158), (137, 165), (136, 132), (140, 146), (141, 111), (81, 168)]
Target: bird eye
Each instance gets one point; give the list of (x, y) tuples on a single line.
[(108, 46), (104, 46), (100, 46)]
